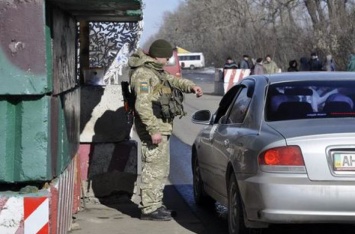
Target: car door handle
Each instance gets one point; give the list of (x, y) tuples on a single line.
[(226, 142)]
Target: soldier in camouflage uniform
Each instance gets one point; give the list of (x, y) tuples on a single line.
[(153, 89)]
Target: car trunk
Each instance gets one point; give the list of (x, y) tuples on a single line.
[(328, 146)]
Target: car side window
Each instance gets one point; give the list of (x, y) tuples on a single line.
[(225, 103), (240, 107)]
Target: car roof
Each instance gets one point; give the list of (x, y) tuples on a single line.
[(307, 76)]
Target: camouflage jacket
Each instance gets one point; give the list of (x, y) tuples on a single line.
[(143, 80)]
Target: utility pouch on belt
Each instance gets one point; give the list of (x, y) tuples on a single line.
[(175, 105)]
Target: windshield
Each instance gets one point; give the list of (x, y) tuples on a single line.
[(311, 99)]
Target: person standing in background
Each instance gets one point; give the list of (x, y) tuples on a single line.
[(230, 64), (329, 64), (351, 63), (259, 68), (245, 64), (270, 66), (293, 66), (304, 65), (314, 63)]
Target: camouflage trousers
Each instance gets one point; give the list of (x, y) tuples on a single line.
[(155, 171)]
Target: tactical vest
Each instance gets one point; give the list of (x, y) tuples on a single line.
[(169, 104)]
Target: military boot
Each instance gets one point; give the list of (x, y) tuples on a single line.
[(156, 215), (164, 210)]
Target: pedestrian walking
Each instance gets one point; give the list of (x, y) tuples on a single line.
[(158, 99)]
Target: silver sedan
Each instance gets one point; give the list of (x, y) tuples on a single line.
[(279, 149)]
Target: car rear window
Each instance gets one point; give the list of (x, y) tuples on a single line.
[(311, 99)]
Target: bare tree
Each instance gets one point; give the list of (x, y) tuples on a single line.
[(285, 29)]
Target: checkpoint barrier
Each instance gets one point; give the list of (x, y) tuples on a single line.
[(233, 76)]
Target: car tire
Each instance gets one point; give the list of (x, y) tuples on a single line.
[(236, 223), (200, 196), (192, 67)]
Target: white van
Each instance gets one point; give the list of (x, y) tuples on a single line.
[(192, 60)]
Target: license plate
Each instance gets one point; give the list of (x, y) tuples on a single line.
[(344, 161)]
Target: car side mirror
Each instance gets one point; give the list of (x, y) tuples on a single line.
[(201, 117)]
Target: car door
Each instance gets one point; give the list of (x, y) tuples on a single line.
[(205, 151), (226, 134)]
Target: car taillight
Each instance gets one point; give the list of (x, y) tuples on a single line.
[(282, 156)]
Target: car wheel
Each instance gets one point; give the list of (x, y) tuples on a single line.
[(200, 196), (236, 223), (192, 67)]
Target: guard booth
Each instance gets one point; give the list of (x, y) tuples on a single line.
[(50, 53)]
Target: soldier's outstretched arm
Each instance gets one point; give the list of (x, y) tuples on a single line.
[(183, 84)]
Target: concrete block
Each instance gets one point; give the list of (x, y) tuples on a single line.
[(24, 126), (40, 136), (103, 118), (113, 167), (25, 48)]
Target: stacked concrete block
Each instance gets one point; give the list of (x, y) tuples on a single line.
[(39, 117), (108, 154)]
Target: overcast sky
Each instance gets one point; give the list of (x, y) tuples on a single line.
[(152, 15)]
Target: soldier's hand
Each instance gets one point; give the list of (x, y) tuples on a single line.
[(197, 90), (156, 138)]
